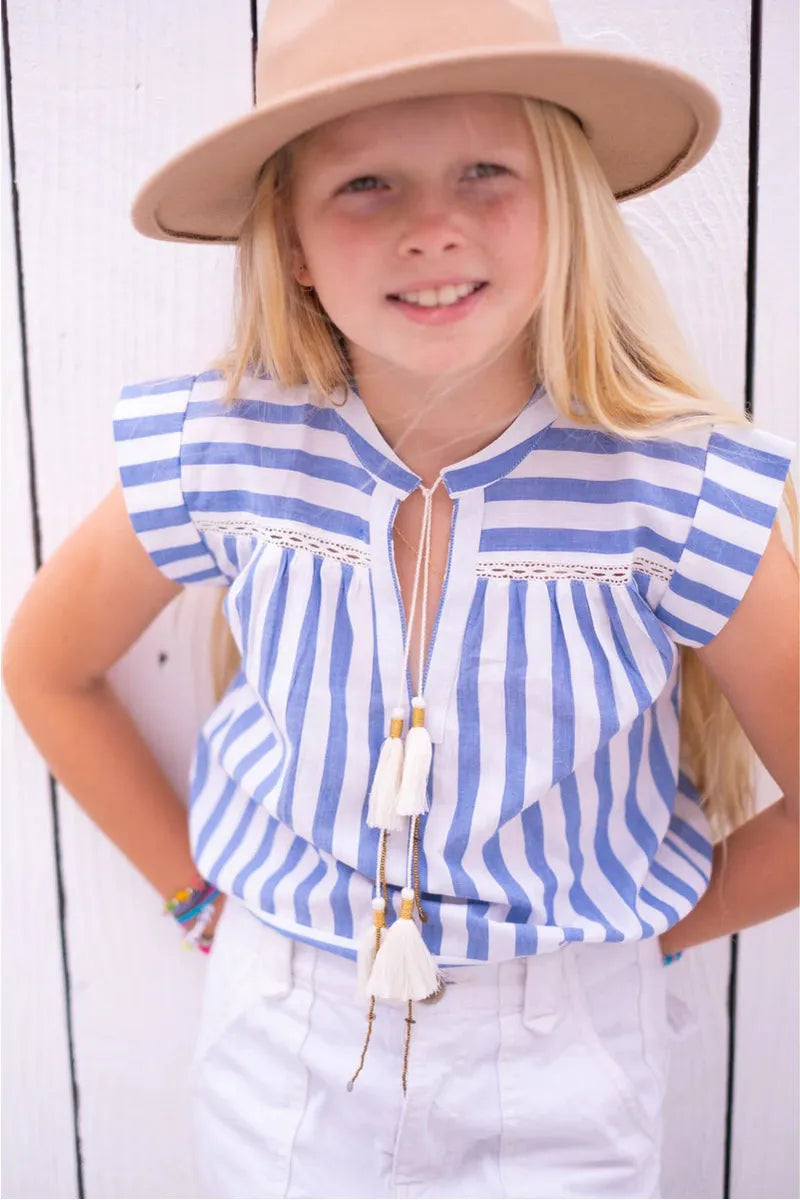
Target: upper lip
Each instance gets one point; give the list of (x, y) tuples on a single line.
[(433, 285)]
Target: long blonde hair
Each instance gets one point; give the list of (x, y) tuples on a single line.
[(603, 332)]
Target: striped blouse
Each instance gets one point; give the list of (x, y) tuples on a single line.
[(578, 563)]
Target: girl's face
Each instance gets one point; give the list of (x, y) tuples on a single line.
[(397, 206)]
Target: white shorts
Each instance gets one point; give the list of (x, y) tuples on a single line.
[(538, 1077)]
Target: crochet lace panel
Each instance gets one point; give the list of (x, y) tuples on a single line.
[(321, 544), (540, 568), (328, 546)]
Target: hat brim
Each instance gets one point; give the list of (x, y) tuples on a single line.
[(647, 124)]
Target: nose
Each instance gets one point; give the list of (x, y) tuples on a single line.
[(430, 229)]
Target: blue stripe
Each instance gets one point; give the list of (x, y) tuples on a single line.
[(516, 757), (330, 791), (685, 630), (720, 552), (592, 441), (763, 462), (302, 895), (458, 835), (674, 883), (163, 558), (660, 765), (563, 704), (299, 689), (702, 594), (481, 474), (258, 752), (239, 885), (295, 854), (161, 518), (608, 862), (533, 841), (595, 541), (592, 491), (246, 819), (127, 429), (274, 458), (640, 828), (273, 619), (668, 841), (214, 818), (340, 901), (284, 508), (669, 912), (691, 837), (563, 756), (579, 899), (743, 507), (158, 471), (376, 731)]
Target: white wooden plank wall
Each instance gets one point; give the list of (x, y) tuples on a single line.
[(101, 94)]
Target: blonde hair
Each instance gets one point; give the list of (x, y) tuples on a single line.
[(603, 332)]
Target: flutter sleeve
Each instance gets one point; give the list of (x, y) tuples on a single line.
[(148, 424), (738, 499)]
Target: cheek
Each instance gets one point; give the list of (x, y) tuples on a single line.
[(341, 255), (518, 235)]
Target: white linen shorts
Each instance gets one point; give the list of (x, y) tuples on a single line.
[(540, 1077)]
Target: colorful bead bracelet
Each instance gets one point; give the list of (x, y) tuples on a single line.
[(194, 903), (670, 958)]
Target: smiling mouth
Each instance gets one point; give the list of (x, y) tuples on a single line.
[(443, 297)]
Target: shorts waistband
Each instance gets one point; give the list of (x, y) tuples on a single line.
[(534, 984)]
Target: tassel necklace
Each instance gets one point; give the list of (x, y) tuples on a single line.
[(394, 964)]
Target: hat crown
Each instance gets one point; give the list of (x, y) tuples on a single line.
[(302, 43)]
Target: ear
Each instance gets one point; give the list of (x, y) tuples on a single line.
[(302, 274), (299, 268)]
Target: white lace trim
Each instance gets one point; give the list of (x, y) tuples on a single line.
[(540, 568), (325, 546), (287, 537)]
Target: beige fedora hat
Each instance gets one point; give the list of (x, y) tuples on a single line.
[(647, 123)]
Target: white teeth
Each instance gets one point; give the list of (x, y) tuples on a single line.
[(439, 297)]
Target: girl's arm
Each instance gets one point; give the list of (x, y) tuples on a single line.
[(87, 605), (755, 659)]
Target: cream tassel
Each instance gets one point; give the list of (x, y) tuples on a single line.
[(404, 969), (412, 799), (382, 810), (368, 946)]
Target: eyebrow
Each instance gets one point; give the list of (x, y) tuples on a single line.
[(341, 159)]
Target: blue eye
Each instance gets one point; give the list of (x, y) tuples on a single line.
[(355, 184), (492, 166)]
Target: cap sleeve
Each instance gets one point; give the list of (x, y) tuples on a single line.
[(148, 422), (742, 483)]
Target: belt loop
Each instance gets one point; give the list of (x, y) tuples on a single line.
[(544, 999)]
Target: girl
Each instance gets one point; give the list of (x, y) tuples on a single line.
[(497, 567)]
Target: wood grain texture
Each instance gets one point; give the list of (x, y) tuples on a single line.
[(38, 1147), (104, 93), (766, 1081), (695, 233)]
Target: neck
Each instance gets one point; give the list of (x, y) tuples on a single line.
[(432, 422)]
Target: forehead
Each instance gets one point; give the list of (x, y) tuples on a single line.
[(419, 122)]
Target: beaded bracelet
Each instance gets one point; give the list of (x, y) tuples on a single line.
[(194, 903), (670, 958)]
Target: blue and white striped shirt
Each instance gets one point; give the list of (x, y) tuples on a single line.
[(578, 562)]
